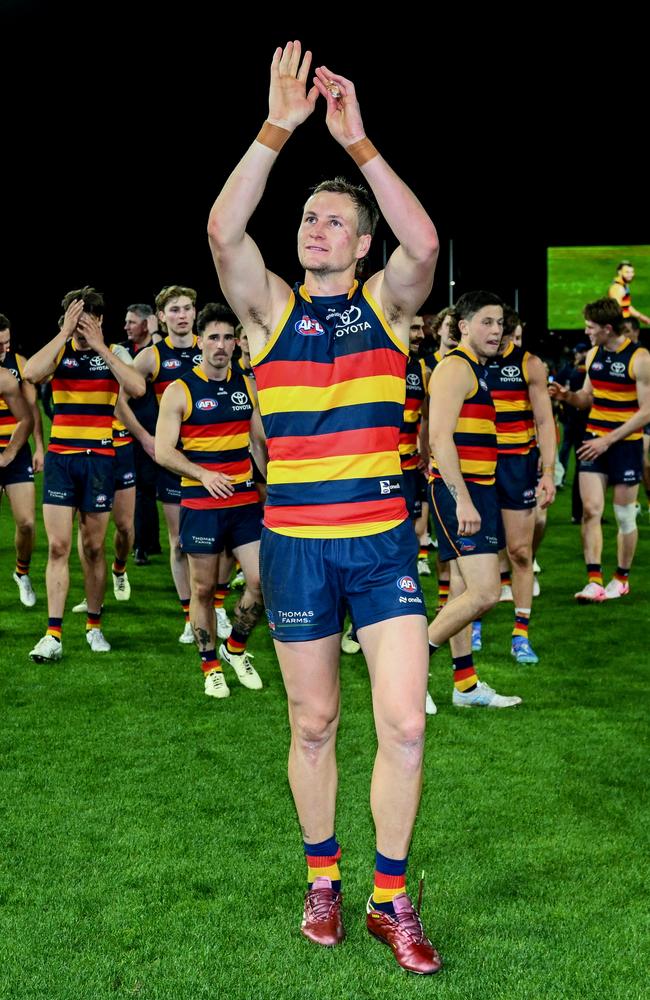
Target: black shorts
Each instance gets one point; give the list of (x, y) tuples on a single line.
[(516, 480), (210, 530), (415, 491), (622, 463), (83, 480), (168, 486), (19, 470), (124, 467), (489, 538)]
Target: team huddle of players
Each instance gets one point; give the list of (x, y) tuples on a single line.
[(181, 402)]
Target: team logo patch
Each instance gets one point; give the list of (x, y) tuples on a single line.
[(308, 327), (408, 584), (464, 545), (70, 363), (206, 404), (171, 363), (239, 398), (511, 371)]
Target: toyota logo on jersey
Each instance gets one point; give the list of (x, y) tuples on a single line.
[(239, 398), (308, 327), (510, 371)]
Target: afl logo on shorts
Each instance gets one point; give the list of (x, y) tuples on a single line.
[(101, 498), (465, 546), (171, 363), (511, 371), (413, 380), (239, 398), (206, 404), (408, 584), (70, 363), (308, 327), (269, 616)]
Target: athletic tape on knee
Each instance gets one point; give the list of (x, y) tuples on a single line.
[(625, 515)]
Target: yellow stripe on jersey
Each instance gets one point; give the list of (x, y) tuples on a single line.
[(338, 531), (382, 463), (375, 389), (102, 398), (472, 425), (226, 442)]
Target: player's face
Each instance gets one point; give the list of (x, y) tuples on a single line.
[(178, 315), (518, 335), (217, 343), (5, 344), (243, 344), (416, 332), (448, 339), (483, 331), (597, 334), (135, 326), (626, 329), (327, 238), (627, 273)]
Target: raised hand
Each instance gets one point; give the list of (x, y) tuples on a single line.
[(91, 329), (289, 102), (343, 117), (72, 317)]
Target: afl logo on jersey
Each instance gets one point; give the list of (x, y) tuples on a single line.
[(408, 584), (597, 366), (171, 363), (308, 327), (70, 363), (206, 404), (239, 398), (511, 371), (618, 368), (483, 384), (13, 372), (413, 380)]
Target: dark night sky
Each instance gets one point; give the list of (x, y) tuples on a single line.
[(117, 140)]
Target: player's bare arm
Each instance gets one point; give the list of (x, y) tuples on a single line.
[(545, 424), (256, 295), (406, 281)]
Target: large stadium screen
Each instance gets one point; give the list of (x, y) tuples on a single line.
[(577, 275)]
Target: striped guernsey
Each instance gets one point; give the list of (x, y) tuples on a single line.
[(331, 390), (611, 373), (8, 422), (84, 393), (507, 378), (415, 396), (172, 363), (475, 434)]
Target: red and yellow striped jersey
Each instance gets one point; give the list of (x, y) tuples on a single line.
[(84, 393), (331, 390), (475, 435), (611, 374), (415, 396), (8, 422), (215, 434), (172, 363), (626, 301), (507, 378)]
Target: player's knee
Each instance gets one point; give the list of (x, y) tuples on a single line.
[(204, 593), (521, 555), (314, 730), (25, 526), (58, 548), (485, 598), (591, 510), (625, 515), (406, 734)]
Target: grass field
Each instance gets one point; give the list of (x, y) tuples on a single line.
[(149, 846), (577, 275)]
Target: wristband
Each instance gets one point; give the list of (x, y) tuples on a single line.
[(361, 151), (548, 468), (273, 136)]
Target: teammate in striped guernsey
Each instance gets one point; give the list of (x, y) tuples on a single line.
[(462, 431), (617, 393), (619, 290), (161, 364), (17, 478), (447, 332), (330, 362), (524, 416), (86, 376), (210, 410), (631, 328)]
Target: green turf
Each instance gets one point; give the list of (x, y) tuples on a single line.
[(577, 275), (149, 846)]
